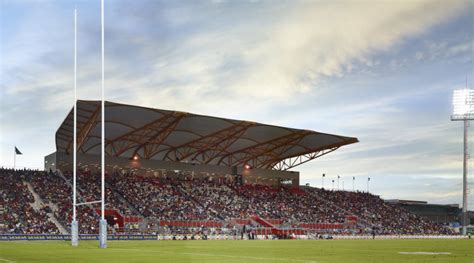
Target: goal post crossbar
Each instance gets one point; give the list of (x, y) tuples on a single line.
[(88, 203)]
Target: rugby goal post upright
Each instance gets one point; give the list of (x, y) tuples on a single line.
[(74, 223), (463, 102), (103, 222)]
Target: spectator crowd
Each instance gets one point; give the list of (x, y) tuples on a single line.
[(191, 198)]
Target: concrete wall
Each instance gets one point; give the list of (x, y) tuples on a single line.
[(63, 162), (50, 162)]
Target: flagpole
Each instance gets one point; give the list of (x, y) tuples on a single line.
[(14, 157), (74, 224), (103, 223)]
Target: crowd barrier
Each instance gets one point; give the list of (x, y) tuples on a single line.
[(260, 236), (400, 237), (210, 223), (13, 237), (321, 226)]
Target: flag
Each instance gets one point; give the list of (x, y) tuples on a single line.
[(17, 151)]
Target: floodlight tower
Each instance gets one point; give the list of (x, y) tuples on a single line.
[(463, 102)]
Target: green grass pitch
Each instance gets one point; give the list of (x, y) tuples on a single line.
[(241, 251)]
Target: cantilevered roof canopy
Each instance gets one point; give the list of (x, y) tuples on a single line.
[(179, 136)]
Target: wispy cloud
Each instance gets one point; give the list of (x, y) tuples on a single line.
[(360, 68)]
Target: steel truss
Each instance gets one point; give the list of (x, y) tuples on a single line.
[(223, 146), (147, 139), (206, 148), (291, 162), (259, 154)]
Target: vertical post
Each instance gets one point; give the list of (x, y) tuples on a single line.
[(464, 180), (463, 102), (368, 181), (353, 182), (338, 177), (14, 157), (103, 223), (74, 224), (322, 181)]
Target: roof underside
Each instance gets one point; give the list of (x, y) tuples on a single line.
[(178, 136)]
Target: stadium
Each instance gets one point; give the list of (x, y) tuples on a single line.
[(181, 176), (131, 180)]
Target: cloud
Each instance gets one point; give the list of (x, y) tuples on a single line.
[(312, 41), (273, 55), (311, 64)]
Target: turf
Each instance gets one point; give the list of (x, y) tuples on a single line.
[(239, 251)]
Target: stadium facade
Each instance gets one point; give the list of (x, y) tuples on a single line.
[(150, 140)]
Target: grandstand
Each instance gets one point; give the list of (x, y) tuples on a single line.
[(443, 214), (147, 138), (174, 174)]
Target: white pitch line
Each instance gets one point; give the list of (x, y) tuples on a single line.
[(424, 253), (217, 255), (6, 260)]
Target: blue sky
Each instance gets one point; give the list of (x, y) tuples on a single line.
[(382, 71)]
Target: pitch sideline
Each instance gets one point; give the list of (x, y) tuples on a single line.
[(424, 253)]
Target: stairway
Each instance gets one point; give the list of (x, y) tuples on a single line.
[(262, 221), (192, 199), (78, 191), (38, 203), (107, 210), (123, 200), (265, 223)]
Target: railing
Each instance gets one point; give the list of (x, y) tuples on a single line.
[(13, 237), (260, 235), (321, 226)]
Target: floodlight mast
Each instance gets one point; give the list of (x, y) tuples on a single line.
[(463, 102)]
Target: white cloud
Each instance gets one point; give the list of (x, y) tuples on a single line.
[(272, 59), (315, 40), (263, 61)]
